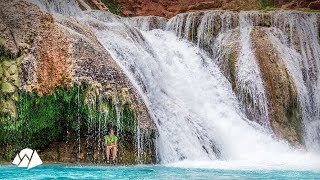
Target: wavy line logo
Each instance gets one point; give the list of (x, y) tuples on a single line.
[(27, 158)]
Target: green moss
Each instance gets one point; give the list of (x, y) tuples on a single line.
[(7, 88), (269, 8), (113, 7), (42, 120), (130, 119), (8, 107), (104, 107), (293, 111), (15, 96), (7, 63), (15, 79), (12, 69), (267, 4), (295, 119)]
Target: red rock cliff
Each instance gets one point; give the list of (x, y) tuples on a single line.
[(169, 8)]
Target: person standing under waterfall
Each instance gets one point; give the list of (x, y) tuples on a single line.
[(111, 143)]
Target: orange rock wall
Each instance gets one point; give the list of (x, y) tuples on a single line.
[(169, 8), (53, 68)]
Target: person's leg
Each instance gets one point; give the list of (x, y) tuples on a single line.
[(108, 152), (114, 153)]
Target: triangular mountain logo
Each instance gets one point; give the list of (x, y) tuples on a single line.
[(27, 158)]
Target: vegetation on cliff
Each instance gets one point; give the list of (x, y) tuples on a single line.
[(113, 7), (71, 115)]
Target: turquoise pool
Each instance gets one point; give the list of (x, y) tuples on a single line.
[(66, 171)]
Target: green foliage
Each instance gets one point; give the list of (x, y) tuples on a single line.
[(267, 4), (269, 8), (113, 7), (7, 88), (129, 117), (42, 120)]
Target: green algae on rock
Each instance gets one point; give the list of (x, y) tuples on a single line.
[(63, 117)]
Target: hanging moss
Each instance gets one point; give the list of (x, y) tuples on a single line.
[(130, 119), (9, 83), (42, 119), (55, 118)]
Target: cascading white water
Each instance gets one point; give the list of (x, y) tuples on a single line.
[(216, 26), (66, 7), (299, 32), (250, 84), (207, 24), (135, 55), (197, 114), (147, 23)]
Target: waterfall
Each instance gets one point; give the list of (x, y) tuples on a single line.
[(250, 84), (66, 7), (296, 38), (147, 23), (215, 25), (198, 115)]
